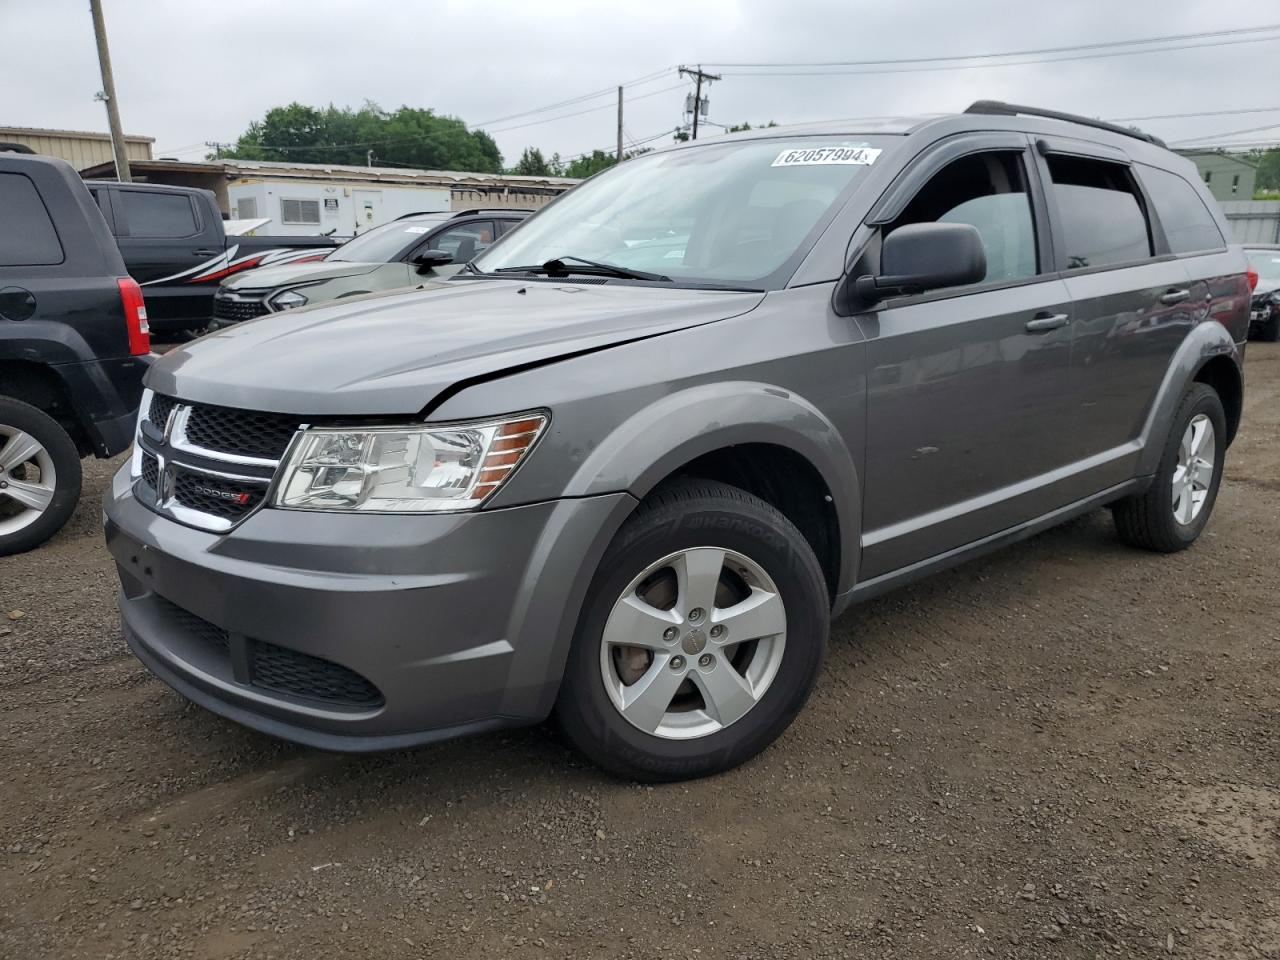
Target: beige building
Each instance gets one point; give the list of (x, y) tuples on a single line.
[(78, 147), (337, 199)]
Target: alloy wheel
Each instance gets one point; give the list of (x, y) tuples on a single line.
[(693, 643), (1193, 474), (28, 479)]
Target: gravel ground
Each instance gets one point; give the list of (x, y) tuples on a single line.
[(1067, 750)]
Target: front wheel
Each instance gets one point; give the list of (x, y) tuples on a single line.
[(39, 476), (1171, 514), (701, 636)]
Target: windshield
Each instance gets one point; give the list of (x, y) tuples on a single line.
[(730, 213), (1266, 262), (383, 244)]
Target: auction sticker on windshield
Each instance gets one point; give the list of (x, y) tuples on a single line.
[(816, 156)]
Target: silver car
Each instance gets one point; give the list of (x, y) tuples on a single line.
[(403, 253), (628, 463)]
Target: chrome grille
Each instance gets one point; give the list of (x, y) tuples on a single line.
[(243, 433), (208, 466)]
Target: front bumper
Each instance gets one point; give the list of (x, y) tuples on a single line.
[(457, 622)]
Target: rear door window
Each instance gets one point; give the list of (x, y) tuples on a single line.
[(29, 238), (1100, 211), (158, 214), (1188, 225)]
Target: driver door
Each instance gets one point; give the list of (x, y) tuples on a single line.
[(968, 395)]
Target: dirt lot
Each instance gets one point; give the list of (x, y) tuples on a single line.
[(1067, 750)]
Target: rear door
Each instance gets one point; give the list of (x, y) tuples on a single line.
[(1132, 301), (967, 387), (167, 245)]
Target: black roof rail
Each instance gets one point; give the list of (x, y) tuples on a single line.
[(997, 108), (475, 210)]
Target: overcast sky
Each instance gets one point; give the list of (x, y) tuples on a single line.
[(188, 72)]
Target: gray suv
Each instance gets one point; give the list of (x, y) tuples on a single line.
[(627, 466)]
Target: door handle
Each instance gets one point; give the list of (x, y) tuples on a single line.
[(1044, 321), (1171, 297), (202, 252)]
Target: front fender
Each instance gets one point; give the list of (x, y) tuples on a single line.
[(657, 440), (1206, 341)]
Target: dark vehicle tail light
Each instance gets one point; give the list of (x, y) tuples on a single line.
[(135, 316), (1252, 274)]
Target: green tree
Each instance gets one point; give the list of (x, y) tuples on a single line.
[(1268, 162), (532, 164), (409, 137)]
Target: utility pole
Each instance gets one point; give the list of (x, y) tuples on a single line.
[(698, 78), (109, 93), (619, 124)]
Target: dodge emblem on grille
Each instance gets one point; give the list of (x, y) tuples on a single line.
[(228, 495)]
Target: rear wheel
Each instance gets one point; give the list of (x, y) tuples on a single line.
[(39, 476), (701, 637), (1171, 514)]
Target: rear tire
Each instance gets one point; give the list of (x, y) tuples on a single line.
[(1171, 514), (39, 476), (715, 680)]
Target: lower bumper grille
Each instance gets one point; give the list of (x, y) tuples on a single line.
[(267, 666)]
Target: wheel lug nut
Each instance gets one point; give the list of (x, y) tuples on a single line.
[(695, 615), (704, 660), (670, 634), (677, 663), (717, 631)]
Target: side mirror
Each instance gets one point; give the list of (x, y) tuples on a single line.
[(431, 258), (925, 256)]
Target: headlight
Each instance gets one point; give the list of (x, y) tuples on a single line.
[(287, 300), (413, 469)]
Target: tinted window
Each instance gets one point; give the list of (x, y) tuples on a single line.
[(1102, 218), (28, 238), (464, 242), (989, 192), (1187, 222), (158, 214)]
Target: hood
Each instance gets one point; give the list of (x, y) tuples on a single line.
[(1266, 286), (394, 354), (289, 274)]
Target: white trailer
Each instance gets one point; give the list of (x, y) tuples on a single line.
[(298, 207)]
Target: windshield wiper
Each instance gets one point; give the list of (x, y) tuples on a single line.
[(558, 266)]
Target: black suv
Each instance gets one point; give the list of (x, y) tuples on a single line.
[(74, 343)]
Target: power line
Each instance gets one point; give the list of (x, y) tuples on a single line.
[(1009, 53), (647, 78), (578, 113), (1001, 63), (1202, 113), (1227, 133)]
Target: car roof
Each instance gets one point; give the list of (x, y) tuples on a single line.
[(442, 216)]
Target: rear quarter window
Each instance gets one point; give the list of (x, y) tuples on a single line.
[(1188, 225), (27, 234)]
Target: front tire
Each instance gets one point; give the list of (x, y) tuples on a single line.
[(700, 639), (1173, 512), (39, 476)]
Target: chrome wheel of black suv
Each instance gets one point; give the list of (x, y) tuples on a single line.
[(701, 638), (39, 477), (1173, 512)]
